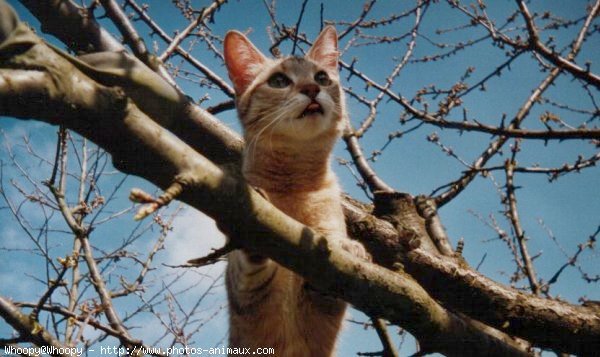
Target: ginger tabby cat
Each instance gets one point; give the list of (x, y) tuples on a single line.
[(291, 110)]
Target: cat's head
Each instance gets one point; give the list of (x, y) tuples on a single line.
[(295, 98)]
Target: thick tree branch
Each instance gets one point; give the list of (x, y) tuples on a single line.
[(29, 329), (90, 38), (132, 38), (471, 293), (86, 319), (565, 328), (188, 121)]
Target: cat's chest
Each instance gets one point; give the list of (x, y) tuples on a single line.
[(320, 209)]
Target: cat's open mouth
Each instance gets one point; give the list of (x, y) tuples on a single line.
[(312, 108)]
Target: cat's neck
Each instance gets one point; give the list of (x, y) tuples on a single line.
[(283, 166)]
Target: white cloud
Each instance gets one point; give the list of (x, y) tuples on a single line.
[(15, 286), (10, 238), (194, 235)]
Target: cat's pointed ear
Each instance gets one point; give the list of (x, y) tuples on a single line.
[(242, 60), (325, 49)]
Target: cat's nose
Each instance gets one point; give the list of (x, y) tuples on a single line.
[(310, 90)]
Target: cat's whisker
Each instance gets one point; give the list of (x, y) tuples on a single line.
[(278, 114), (281, 117), (259, 120)]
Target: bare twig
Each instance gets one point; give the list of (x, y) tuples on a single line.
[(214, 78), (206, 12), (389, 350), (513, 215)]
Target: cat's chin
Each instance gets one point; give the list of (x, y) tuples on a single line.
[(314, 126)]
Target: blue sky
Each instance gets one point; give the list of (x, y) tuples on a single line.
[(568, 207)]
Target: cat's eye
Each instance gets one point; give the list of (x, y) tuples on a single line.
[(322, 78), (279, 80)]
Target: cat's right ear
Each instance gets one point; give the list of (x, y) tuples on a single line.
[(242, 59), (325, 49)]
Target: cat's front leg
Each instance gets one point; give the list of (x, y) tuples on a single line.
[(355, 248), (249, 279)]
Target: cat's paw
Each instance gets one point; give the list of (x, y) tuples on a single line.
[(356, 249)]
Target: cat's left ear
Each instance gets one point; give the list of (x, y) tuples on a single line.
[(325, 49)]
